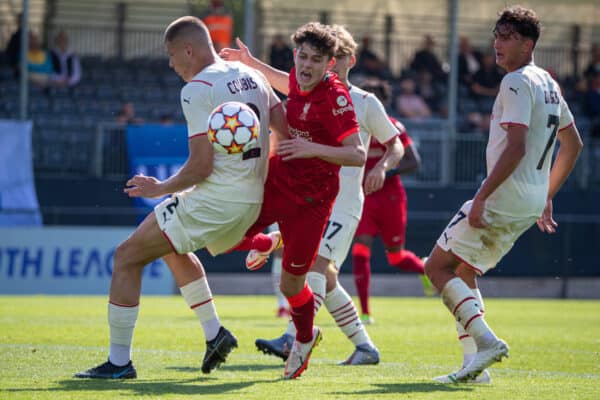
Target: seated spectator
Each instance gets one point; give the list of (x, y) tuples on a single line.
[(126, 116), (66, 64), (39, 63), (431, 91), (409, 104), (486, 82), (281, 55), (591, 103), (594, 65), (426, 60), (13, 48), (369, 64), (469, 61)]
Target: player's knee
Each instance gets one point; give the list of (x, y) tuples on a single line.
[(361, 250)]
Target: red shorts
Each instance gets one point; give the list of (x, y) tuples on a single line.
[(384, 213), (301, 224)]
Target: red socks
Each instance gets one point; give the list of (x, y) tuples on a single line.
[(303, 313), (361, 269), (406, 261)]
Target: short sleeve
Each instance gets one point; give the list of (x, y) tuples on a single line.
[(517, 100), (342, 117), (566, 118), (197, 105), (377, 122)]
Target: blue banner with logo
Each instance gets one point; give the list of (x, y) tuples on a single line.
[(156, 150), (18, 199)]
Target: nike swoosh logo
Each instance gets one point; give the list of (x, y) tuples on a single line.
[(297, 265), (121, 373)]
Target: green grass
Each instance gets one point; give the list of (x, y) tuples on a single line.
[(555, 351)]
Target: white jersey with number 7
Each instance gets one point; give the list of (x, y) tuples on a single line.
[(528, 97)]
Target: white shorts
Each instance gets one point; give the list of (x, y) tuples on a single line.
[(482, 249), (338, 236), (191, 221)]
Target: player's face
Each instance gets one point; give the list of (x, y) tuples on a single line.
[(343, 63), (180, 59), (512, 49), (311, 66)]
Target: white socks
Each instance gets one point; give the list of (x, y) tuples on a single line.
[(468, 344), (276, 279), (121, 321), (466, 308), (341, 307), (317, 283), (198, 296)]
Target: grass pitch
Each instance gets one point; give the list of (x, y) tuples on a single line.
[(555, 351)]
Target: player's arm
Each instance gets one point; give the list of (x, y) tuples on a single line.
[(278, 126), (570, 146), (508, 161), (197, 168), (350, 153), (409, 163), (277, 79)]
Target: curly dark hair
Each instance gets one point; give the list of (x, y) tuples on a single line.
[(317, 35), (521, 20)]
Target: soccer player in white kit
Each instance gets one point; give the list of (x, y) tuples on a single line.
[(528, 116), (215, 198), (347, 209)]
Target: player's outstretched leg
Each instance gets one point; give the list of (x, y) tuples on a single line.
[(266, 244), (300, 354)]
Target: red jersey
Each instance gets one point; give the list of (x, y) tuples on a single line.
[(323, 115), (378, 149)]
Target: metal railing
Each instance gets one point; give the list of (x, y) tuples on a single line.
[(446, 161)]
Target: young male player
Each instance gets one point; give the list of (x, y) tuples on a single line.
[(216, 198), (303, 178), (338, 235), (528, 116), (385, 213)]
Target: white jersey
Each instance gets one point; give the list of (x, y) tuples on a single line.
[(528, 97), (373, 120), (235, 177)]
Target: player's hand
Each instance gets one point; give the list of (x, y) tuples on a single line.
[(374, 180), (143, 186), (546, 222), (241, 54), (291, 149), (475, 216)]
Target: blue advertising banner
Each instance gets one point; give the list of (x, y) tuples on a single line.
[(156, 150), (68, 260), (18, 199)]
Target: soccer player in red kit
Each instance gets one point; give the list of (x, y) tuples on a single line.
[(384, 212), (303, 180)]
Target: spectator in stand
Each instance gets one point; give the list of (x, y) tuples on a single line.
[(591, 103), (409, 104), (66, 64), (13, 47), (485, 87), (39, 63), (219, 22), (126, 116), (431, 91), (281, 55), (469, 61), (425, 59), (369, 64), (594, 65)]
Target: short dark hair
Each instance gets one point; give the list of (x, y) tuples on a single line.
[(184, 26), (317, 35), (522, 20)]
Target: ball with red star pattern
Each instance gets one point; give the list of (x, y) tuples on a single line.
[(233, 128)]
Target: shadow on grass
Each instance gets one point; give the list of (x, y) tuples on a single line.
[(140, 387), (236, 367), (382, 388)]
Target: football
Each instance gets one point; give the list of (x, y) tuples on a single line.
[(233, 128)]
